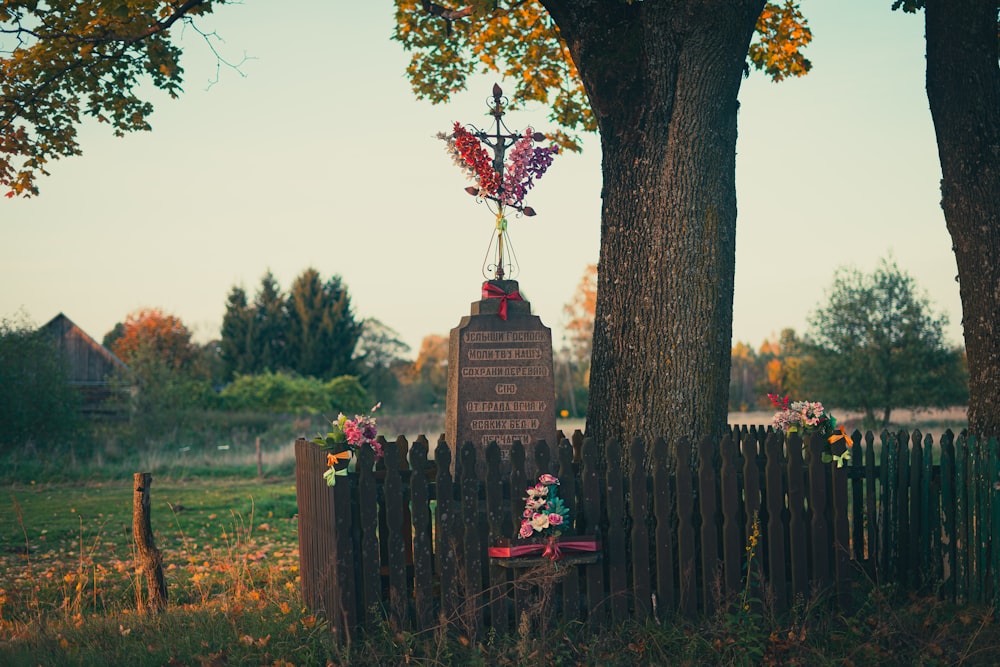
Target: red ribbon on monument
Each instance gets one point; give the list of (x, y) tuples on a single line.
[(491, 291), (552, 549)]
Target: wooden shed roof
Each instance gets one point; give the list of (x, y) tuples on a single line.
[(90, 362)]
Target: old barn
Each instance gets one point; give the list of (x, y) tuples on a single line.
[(92, 367)]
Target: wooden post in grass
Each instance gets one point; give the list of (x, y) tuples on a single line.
[(260, 467), (149, 562)]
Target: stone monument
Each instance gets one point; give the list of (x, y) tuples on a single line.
[(500, 384)]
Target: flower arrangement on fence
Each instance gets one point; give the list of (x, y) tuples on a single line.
[(805, 418), (525, 164), (347, 436), (544, 511)]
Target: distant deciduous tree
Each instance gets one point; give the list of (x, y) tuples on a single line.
[(151, 331), (743, 376), (431, 366), (158, 350), (380, 354), (580, 316), (877, 346), (782, 362)]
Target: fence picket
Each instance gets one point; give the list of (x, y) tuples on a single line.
[(395, 547), (914, 521), (639, 536), (686, 552), (711, 572), (498, 528), (423, 591), (472, 556), (732, 520), (798, 537), (890, 524), (872, 541), (371, 551), (978, 511), (819, 529), (840, 508), (929, 491), (961, 521), (616, 559), (948, 536), (663, 510), (446, 532), (775, 498), (857, 498), (567, 491), (993, 489), (590, 523)]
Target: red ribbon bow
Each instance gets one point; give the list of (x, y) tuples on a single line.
[(552, 549), (491, 291)]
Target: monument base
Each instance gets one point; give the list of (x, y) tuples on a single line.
[(500, 382)]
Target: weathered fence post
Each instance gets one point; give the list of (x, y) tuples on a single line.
[(150, 562)]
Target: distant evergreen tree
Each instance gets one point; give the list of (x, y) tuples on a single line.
[(310, 332), (322, 331), (234, 346), (269, 328)]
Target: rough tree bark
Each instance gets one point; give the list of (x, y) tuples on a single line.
[(663, 80), (149, 562), (963, 88)]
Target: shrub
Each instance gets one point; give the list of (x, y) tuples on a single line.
[(280, 392), (37, 403)]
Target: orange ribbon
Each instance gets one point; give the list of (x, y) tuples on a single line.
[(841, 459), (491, 291), (841, 433)]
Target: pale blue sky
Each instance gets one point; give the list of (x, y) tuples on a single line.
[(322, 157)]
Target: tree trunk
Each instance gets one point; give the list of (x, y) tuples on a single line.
[(963, 88), (149, 562), (663, 80)]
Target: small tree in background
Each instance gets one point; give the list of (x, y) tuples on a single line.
[(744, 373), (573, 381), (159, 353), (381, 355), (428, 381), (877, 346), (782, 360)]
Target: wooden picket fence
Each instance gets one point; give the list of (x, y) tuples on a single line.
[(683, 530)]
